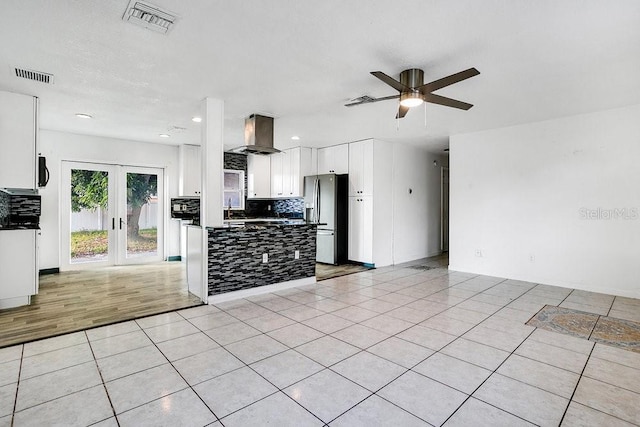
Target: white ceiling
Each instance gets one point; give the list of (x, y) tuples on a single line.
[(301, 60)]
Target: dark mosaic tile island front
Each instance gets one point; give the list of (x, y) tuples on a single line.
[(235, 256)]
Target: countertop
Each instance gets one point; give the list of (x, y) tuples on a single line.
[(260, 223), (19, 227)]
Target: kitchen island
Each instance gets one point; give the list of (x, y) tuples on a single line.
[(246, 255)]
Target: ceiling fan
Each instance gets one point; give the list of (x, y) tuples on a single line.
[(413, 90)]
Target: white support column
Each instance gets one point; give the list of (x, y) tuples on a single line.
[(212, 146)]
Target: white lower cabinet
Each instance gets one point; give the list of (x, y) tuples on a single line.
[(18, 267), (361, 229), (194, 260)]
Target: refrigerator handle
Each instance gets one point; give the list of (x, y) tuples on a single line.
[(314, 201), (318, 199)]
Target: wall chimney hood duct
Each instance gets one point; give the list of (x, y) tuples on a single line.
[(258, 136)]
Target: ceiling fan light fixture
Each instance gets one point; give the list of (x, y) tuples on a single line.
[(411, 99)]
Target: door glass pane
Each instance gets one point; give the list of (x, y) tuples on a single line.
[(142, 215), (89, 216)]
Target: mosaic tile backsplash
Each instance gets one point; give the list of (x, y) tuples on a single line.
[(285, 208), (4, 209), (19, 209), (189, 208)]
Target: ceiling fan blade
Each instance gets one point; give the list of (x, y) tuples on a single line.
[(384, 98), (368, 100), (390, 81), (449, 80), (448, 102), (402, 111)]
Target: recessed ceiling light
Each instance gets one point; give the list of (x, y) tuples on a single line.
[(295, 138), (196, 119), (83, 116), (163, 135)]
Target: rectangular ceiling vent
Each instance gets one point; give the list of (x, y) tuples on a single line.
[(34, 75), (149, 16)]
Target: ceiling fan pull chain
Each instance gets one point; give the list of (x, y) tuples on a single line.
[(425, 115)]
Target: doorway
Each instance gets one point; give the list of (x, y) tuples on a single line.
[(111, 215), (444, 211)]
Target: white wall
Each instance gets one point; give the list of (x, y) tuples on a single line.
[(517, 195), (59, 146), (416, 215)]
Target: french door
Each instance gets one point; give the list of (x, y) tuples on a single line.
[(111, 215)]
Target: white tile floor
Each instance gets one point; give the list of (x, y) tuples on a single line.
[(390, 347)]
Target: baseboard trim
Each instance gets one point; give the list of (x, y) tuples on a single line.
[(14, 302), (46, 271), (174, 258), (244, 293)]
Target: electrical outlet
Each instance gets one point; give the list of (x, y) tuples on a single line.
[(478, 253), (296, 255), (265, 258), (532, 258)]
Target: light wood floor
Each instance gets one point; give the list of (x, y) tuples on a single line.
[(76, 300)]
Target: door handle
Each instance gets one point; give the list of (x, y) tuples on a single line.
[(121, 222), (113, 223)]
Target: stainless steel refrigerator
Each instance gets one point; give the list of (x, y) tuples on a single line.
[(326, 201)]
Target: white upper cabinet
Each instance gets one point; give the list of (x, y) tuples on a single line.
[(333, 159), (18, 130), (288, 170), (277, 170), (190, 173), (258, 176), (361, 168)]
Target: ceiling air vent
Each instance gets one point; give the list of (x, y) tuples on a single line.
[(149, 16), (34, 75)]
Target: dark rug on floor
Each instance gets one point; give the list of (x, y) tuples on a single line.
[(620, 333), (327, 271), (421, 267)]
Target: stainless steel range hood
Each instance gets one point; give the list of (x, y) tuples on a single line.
[(258, 136)]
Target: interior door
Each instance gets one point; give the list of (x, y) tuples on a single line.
[(445, 210), (111, 215)]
